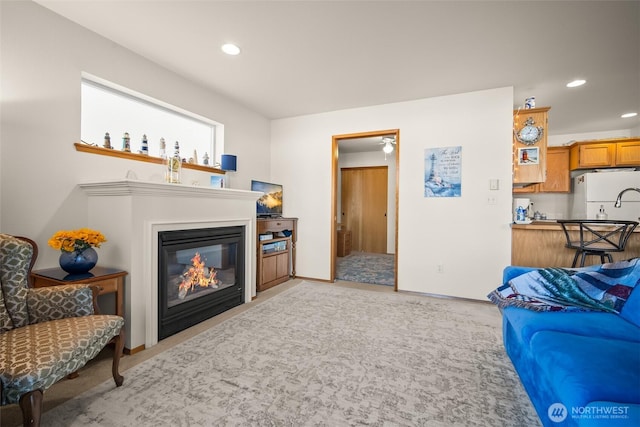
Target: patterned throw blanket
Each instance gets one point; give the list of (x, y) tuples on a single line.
[(604, 287)]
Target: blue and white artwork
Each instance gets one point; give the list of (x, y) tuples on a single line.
[(217, 181), (443, 172)]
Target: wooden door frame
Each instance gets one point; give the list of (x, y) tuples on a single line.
[(335, 139)]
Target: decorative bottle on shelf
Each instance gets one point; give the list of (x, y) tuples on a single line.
[(163, 149), (174, 166)]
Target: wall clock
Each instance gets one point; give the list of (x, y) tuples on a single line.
[(529, 134)]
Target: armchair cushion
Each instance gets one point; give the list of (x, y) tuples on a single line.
[(59, 302), (36, 356), (15, 259)]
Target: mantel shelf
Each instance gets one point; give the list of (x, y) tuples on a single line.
[(131, 187), (94, 149)]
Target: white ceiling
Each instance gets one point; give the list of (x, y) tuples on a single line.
[(304, 57)]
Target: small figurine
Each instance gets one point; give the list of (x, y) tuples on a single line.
[(126, 143), (144, 149), (205, 159), (163, 149), (174, 166), (530, 103), (107, 140)]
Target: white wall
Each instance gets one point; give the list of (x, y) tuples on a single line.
[(43, 56), (570, 138), (470, 238), (353, 160)]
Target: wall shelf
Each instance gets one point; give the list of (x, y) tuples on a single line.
[(94, 149)]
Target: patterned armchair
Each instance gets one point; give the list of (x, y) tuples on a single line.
[(45, 333)]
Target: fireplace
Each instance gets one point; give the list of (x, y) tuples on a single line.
[(200, 275)]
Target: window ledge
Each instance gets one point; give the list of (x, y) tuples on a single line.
[(94, 149)]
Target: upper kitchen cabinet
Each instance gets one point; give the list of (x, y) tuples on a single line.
[(558, 179), (623, 152), (558, 176), (530, 145)]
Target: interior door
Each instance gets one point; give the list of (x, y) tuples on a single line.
[(364, 207)]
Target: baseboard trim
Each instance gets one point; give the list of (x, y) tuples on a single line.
[(427, 294), (134, 350), (313, 279)]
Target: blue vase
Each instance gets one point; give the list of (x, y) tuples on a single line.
[(78, 262)]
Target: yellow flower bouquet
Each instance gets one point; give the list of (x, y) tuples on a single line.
[(76, 240)]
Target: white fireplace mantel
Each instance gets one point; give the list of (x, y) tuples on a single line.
[(126, 187), (131, 212)]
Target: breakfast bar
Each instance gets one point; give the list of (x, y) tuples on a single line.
[(542, 244)]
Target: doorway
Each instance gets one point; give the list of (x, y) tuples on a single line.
[(387, 218)]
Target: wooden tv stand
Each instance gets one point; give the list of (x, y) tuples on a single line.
[(276, 256)]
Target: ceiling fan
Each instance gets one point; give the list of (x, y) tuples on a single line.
[(388, 142)]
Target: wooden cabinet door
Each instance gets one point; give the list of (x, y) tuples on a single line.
[(364, 207), (282, 265), (596, 155), (558, 176), (628, 153), (269, 269)]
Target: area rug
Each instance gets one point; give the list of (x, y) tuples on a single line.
[(323, 355), (366, 267)]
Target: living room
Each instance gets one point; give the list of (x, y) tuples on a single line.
[(44, 56)]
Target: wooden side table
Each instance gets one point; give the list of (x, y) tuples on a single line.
[(109, 280)]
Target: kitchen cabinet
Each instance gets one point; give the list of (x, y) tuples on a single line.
[(530, 145), (628, 153), (623, 152), (558, 179)]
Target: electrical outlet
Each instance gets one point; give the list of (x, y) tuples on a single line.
[(491, 200), (440, 268)]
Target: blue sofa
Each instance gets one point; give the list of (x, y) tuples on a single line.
[(579, 368)]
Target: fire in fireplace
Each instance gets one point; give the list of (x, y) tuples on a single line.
[(200, 275)]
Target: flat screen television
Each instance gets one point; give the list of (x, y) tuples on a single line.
[(270, 204)]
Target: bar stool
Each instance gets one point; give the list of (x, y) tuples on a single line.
[(596, 237)]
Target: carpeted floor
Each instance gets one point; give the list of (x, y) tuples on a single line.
[(322, 355), (364, 267)]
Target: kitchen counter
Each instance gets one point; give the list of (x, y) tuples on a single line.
[(542, 244)]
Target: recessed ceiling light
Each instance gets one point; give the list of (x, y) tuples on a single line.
[(576, 83), (230, 49), (627, 115)]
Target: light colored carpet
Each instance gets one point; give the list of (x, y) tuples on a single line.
[(365, 267), (322, 355)]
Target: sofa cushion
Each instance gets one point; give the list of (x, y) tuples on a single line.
[(525, 323), (15, 257), (36, 356), (581, 370)]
